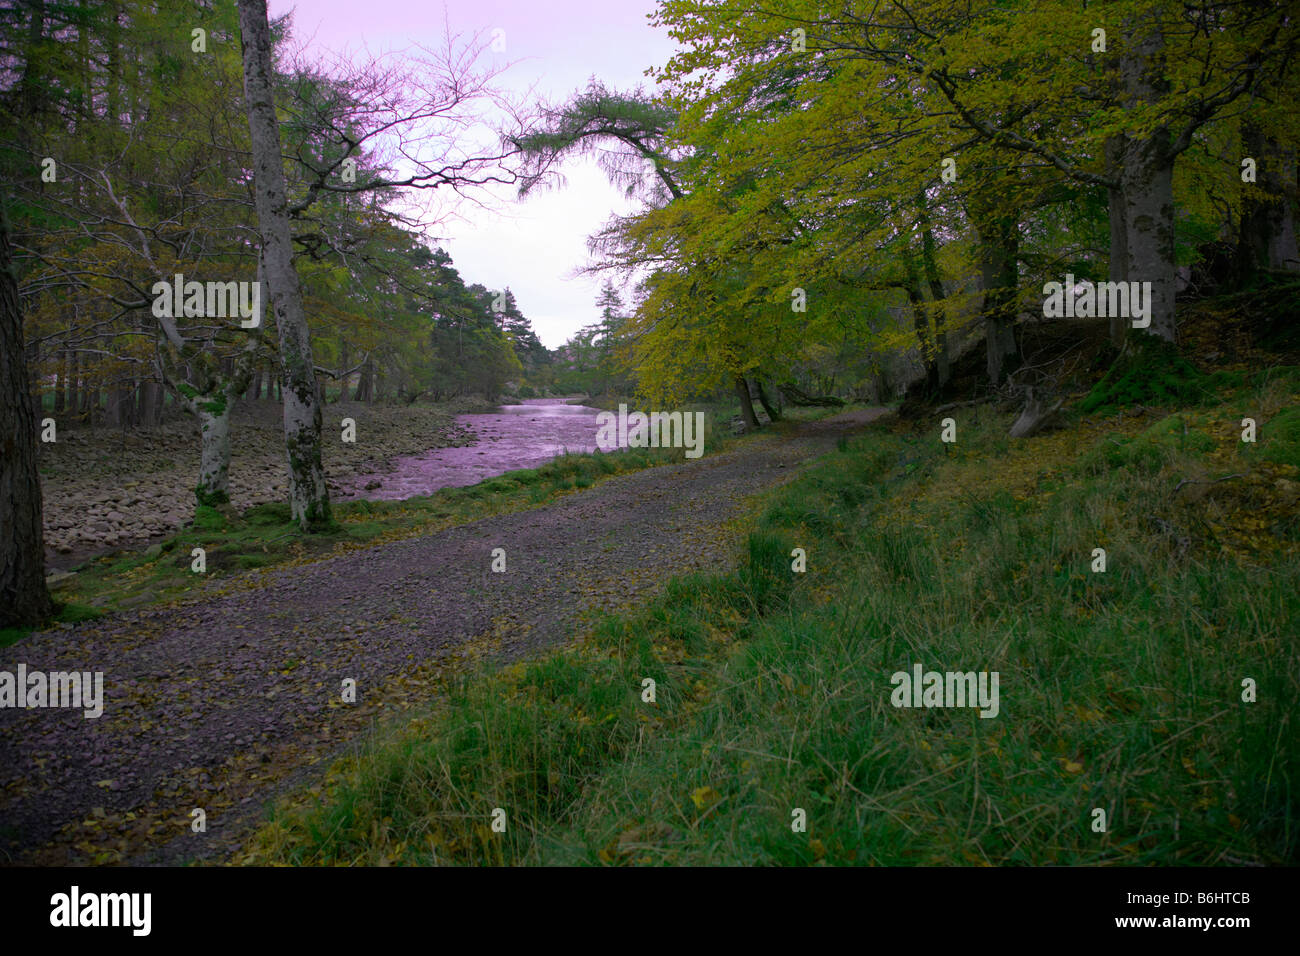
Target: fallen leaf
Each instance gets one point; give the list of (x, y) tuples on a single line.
[(704, 797)]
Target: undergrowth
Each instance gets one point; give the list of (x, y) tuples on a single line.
[(1123, 690)]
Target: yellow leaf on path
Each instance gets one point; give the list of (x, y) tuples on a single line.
[(1073, 766)]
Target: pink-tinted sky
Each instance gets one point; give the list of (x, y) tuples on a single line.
[(533, 246)]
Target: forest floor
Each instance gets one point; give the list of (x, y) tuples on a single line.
[(224, 700)]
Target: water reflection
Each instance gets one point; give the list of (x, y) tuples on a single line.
[(515, 436)]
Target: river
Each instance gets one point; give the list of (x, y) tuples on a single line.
[(515, 436)]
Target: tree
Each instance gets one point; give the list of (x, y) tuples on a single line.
[(811, 164), (152, 180), (308, 493), (528, 347), (42, 91), (24, 599), (610, 304), (644, 163)]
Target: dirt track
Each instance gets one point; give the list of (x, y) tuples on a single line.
[(223, 702)]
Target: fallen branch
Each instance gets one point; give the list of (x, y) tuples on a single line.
[(1195, 481), (796, 396), (1035, 415), (951, 405)]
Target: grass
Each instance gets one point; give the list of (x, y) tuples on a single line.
[(66, 613), (1120, 691), (263, 536)]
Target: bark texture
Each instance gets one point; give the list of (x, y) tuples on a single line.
[(1000, 278), (308, 494), (1147, 184), (746, 403), (24, 599)]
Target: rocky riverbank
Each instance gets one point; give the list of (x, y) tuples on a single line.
[(106, 489)]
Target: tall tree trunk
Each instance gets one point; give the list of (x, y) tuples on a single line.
[(213, 487), (211, 403), (921, 322), (1283, 243), (30, 84), (1000, 277), (120, 403), (1267, 239), (151, 397), (24, 599), (213, 412), (1117, 270), (746, 403), (772, 413), (309, 500), (113, 79), (937, 294), (367, 383), (70, 383), (344, 354), (1148, 187), (60, 385)]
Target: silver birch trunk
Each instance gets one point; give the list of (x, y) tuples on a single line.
[(214, 461), (308, 495)]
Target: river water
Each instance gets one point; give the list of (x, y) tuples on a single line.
[(515, 436)]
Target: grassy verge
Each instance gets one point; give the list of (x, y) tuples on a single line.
[(68, 613), (1120, 691), (264, 537)]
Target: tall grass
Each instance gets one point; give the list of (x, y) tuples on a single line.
[(1120, 691)]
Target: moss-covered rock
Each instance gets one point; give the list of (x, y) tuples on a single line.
[(1151, 372), (210, 498)]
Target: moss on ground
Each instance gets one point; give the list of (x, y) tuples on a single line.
[(1150, 372)]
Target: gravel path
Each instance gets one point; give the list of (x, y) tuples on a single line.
[(220, 703)]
